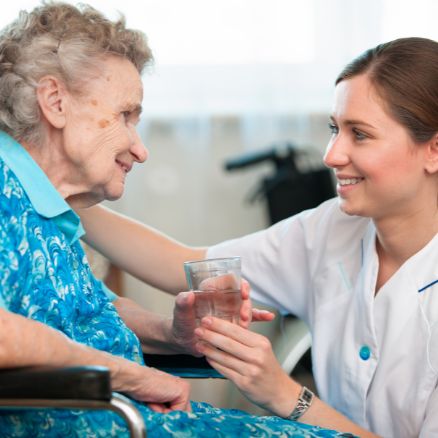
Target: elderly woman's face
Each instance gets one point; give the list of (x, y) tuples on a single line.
[(100, 137)]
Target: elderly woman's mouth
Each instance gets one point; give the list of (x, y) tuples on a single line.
[(126, 167)]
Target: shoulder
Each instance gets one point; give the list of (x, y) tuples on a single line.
[(11, 191), (21, 227), (17, 215), (324, 225), (327, 225), (329, 236)]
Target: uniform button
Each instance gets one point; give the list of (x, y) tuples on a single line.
[(365, 352)]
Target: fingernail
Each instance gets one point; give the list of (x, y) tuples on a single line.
[(199, 332), (206, 321)]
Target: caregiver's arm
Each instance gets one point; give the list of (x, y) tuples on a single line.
[(25, 342), (155, 259), (247, 359), (138, 249)]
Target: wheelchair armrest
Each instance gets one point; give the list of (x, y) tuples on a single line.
[(80, 383), (183, 365)]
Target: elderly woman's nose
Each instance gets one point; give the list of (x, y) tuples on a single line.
[(138, 149)]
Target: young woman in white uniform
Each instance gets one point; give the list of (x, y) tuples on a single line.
[(361, 269)]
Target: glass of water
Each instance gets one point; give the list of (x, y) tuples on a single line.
[(216, 283)]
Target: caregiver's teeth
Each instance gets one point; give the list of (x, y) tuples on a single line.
[(345, 182)]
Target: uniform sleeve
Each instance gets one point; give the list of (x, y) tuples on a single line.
[(285, 263), (274, 261), (430, 424)]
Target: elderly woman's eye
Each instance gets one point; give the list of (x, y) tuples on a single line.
[(126, 114)]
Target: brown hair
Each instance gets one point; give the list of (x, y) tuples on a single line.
[(62, 40), (405, 74)]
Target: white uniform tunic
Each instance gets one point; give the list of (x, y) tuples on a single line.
[(375, 358)]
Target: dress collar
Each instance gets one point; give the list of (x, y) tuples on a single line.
[(41, 192)]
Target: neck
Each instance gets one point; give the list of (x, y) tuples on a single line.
[(399, 238), (83, 200), (60, 171)]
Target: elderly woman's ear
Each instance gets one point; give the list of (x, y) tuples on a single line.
[(52, 97)]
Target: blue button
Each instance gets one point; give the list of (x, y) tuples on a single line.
[(365, 352)]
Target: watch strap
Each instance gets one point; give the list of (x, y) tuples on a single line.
[(304, 402)]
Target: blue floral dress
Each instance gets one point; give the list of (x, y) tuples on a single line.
[(44, 275)]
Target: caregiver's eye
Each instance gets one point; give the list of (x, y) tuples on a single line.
[(359, 135), (333, 128)]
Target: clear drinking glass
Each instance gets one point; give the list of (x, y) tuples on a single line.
[(216, 283)]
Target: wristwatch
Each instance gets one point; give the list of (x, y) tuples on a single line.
[(304, 401)]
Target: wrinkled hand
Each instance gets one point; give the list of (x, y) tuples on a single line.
[(184, 319), (247, 359), (184, 323), (161, 391)]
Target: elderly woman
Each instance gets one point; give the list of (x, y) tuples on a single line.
[(70, 98), (360, 269)]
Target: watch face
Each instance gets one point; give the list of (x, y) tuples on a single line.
[(307, 395)]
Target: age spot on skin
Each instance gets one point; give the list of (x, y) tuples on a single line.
[(103, 123), (94, 102)]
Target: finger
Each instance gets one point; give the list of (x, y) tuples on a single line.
[(229, 373), (245, 313), (246, 306), (229, 330), (230, 362), (184, 301), (262, 315), (218, 347), (184, 321), (158, 407), (244, 289), (184, 312), (180, 405), (233, 347)]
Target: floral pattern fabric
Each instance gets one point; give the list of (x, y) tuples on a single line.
[(46, 277)]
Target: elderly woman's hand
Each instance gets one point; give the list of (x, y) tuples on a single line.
[(161, 391), (184, 318), (184, 323)]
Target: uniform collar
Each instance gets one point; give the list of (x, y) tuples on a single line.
[(421, 266), (41, 192)]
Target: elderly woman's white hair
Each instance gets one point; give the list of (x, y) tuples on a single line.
[(61, 40)]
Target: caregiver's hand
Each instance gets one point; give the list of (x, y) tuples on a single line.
[(184, 320), (247, 359), (247, 313)]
